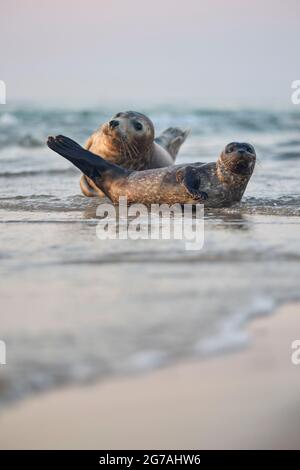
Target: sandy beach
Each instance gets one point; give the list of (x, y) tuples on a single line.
[(247, 399)]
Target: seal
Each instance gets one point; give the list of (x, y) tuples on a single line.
[(127, 139), (218, 184)]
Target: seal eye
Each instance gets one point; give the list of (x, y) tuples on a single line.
[(137, 125), (230, 148), (249, 149)]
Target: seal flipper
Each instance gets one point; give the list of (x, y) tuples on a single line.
[(85, 184), (190, 178), (90, 164), (171, 140)]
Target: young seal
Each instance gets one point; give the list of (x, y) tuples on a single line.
[(128, 140), (217, 184)]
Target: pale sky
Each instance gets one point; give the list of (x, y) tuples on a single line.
[(202, 52)]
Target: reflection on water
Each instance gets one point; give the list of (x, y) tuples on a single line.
[(228, 221)]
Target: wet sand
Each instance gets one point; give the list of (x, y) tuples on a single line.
[(247, 399)]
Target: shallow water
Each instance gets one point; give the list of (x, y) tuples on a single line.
[(75, 308)]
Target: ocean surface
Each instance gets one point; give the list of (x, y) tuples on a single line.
[(74, 309)]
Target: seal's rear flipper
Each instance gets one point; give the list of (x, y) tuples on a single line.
[(90, 164), (171, 139)]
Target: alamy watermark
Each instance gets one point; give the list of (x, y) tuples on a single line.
[(157, 222), (2, 353), (295, 357), (2, 92), (295, 97)]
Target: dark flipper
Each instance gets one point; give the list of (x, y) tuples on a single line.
[(171, 140), (90, 164), (190, 178)]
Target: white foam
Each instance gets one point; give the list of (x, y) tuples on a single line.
[(231, 333), (7, 119), (147, 360)]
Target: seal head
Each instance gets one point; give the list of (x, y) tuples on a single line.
[(237, 158), (127, 139), (129, 133)]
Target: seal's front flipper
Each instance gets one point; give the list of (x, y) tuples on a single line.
[(171, 140), (90, 164), (189, 176)]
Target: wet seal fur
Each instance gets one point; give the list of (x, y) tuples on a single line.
[(218, 184), (127, 139)]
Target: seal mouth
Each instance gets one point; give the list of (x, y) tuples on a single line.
[(243, 166), (115, 133), (240, 164)]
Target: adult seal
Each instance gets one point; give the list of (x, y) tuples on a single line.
[(218, 184), (127, 139)]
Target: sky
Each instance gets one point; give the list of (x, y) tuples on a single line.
[(220, 53)]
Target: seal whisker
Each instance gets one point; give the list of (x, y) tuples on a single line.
[(132, 149), (122, 144), (127, 151)]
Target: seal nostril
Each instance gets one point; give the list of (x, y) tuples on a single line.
[(114, 123)]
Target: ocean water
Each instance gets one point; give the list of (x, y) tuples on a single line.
[(75, 309)]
